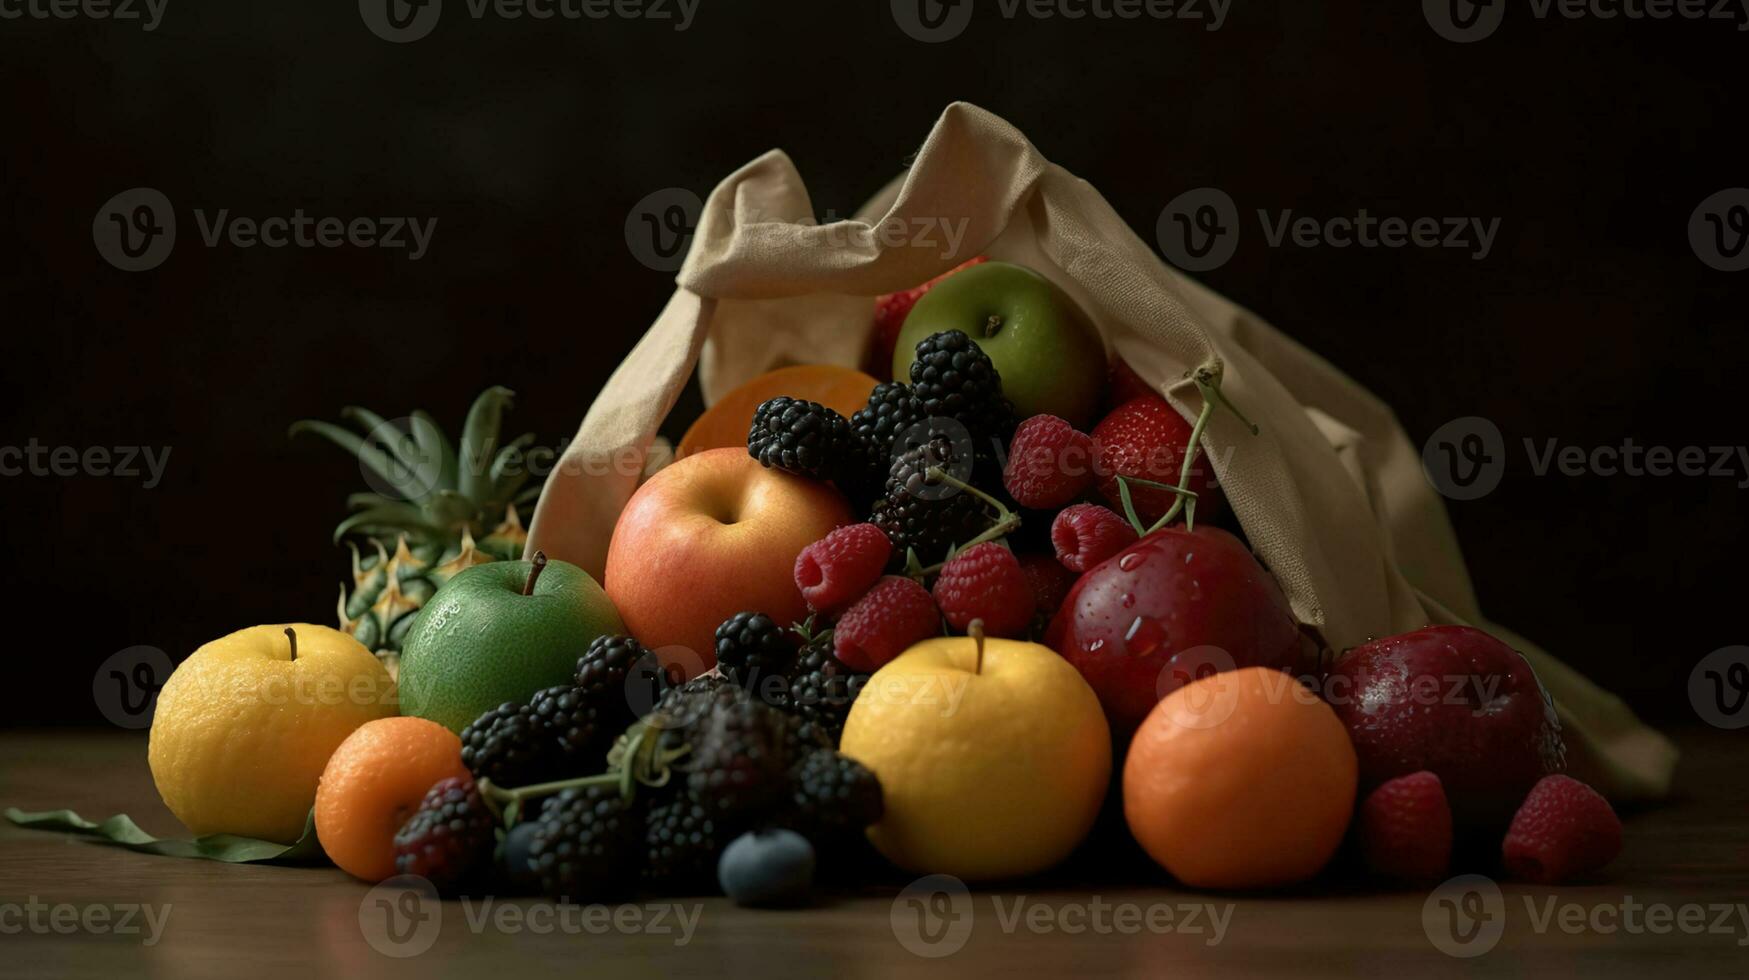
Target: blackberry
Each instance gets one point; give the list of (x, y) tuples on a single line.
[(739, 757), (806, 438), (927, 515), (892, 408), (822, 700), (831, 797), (817, 655), (756, 653), (511, 746), (585, 845), (574, 725), (951, 377), (449, 839), (681, 843), (681, 709), (602, 672)]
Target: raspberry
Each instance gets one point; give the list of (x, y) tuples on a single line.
[(1087, 534), (752, 649), (1564, 829), (890, 617), (836, 570), (1049, 463), (1405, 828), (1144, 438), (985, 582), (449, 837), (1050, 583), (806, 438)]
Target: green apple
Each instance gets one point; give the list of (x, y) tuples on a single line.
[(1049, 355), (500, 632)]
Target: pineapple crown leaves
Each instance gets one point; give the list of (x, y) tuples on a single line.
[(444, 490)]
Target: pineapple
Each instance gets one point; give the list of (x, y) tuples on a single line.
[(423, 530)]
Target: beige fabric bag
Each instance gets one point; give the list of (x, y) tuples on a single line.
[(1331, 493)]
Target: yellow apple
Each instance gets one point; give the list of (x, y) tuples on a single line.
[(993, 762), (245, 725)]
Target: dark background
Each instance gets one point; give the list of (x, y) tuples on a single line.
[(1591, 321)]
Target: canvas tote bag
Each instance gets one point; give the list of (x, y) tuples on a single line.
[(1331, 492)]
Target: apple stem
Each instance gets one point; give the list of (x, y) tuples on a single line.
[(992, 326), (292, 636), (975, 629), (540, 564)]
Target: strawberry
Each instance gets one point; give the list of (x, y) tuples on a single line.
[(1145, 438), (1563, 830), (890, 313), (1405, 828), (1124, 384)]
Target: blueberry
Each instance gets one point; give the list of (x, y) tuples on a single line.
[(513, 856), (772, 867)]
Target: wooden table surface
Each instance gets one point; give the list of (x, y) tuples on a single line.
[(1673, 901)]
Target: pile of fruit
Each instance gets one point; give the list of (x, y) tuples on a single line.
[(937, 608)]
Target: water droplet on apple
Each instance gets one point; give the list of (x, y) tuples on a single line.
[(1128, 599), (1144, 636), (1130, 561), (1095, 646)]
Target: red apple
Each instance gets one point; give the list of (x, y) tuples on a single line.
[(1454, 701), (1170, 609), (711, 535)]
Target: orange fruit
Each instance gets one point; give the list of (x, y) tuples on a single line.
[(1244, 779), (373, 784), (724, 425)]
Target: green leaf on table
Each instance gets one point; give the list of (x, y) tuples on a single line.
[(121, 831)]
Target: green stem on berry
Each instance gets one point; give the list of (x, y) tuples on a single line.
[(975, 629), (1007, 521), (1207, 379), (540, 565), (291, 636), (639, 762), (1129, 504)]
